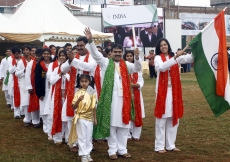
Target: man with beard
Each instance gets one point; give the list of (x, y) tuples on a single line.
[(114, 106)]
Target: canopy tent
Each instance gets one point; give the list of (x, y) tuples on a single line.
[(47, 20)]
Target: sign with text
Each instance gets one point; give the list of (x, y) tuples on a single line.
[(120, 2), (129, 15)]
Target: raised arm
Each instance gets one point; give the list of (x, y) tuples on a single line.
[(136, 67), (163, 66), (86, 66), (140, 80), (183, 59), (54, 77)]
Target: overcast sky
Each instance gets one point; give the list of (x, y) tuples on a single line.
[(193, 2)]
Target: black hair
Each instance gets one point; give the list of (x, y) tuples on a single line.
[(151, 50), (67, 44), (34, 47), (126, 52), (178, 49), (74, 48), (107, 50), (38, 52), (116, 46), (9, 49), (86, 76), (65, 53), (158, 51), (81, 38), (16, 49), (130, 33), (26, 46), (51, 46), (100, 47), (44, 50)]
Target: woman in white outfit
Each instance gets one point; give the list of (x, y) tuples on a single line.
[(169, 104)]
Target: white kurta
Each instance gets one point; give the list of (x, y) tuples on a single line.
[(117, 100), (4, 69), (161, 66), (24, 94), (11, 69), (81, 66)]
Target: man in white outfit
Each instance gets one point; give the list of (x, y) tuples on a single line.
[(114, 109)]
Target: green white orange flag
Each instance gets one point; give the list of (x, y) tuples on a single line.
[(211, 64)]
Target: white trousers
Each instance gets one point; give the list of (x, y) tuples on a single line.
[(84, 132), (45, 123), (35, 117), (136, 131), (165, 134), (8, 99), (22, 111), (17, 111), (58, 136), (117, 140), (27, 118)]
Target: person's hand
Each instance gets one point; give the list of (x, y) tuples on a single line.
[(30, 91), (95, 121), (71, 56), (81, 98), (137, 85), (41, 98), (88, 34), (136, 53)]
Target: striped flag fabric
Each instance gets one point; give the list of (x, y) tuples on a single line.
[(211, 64)]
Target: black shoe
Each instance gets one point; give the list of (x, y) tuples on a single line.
[(17, 117), (37, 125), (27, 124), (9, 105), (22, 116)]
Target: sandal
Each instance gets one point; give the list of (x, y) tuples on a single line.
[(126, 155), (175, 149), (161, 151), (113, 157), (74, 149)]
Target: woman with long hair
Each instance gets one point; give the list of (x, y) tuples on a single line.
[(42, 85), (137, 82), (169, 105)]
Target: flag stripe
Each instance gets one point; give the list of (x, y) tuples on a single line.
[(222, 68)]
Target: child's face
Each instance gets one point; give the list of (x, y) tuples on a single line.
[(84, 83)]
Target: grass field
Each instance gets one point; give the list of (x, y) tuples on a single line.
[(201, 136)]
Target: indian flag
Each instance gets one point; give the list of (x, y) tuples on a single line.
[(211, 64)]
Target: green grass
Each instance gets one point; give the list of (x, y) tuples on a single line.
[(201, 136)]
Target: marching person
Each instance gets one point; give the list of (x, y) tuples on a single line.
[(114, 106), (42, 84), (169, 105), (137, 82)]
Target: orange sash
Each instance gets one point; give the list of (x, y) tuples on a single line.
[(17, 98), (43, 65), (177, 103), (70, 86), (137, 101)]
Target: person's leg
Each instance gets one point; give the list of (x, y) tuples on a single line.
[(7, 96), (57, 138), (89, 145), (45, 125), (27, 118), (160, 134), (154, 72), (136, 132), (82, 134), (17, 113), (35, 118), (122, 135), (151, 71), (112, 141), (171, 133)]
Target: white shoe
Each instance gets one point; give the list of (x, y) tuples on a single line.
[(84, 159), (89, 158), (50, 138)]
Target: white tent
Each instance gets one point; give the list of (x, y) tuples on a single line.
[(48, 20)]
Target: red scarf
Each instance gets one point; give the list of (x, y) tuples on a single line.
[(178, 108), (57, 122), (137, 101), (34, 100), (43, 65), (16, 87), (70, 86), (97, 79), (126, 109)]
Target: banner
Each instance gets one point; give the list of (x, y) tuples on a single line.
[(147, 34), (129, 15), (119, 2), (88, 2), (192, 24)]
